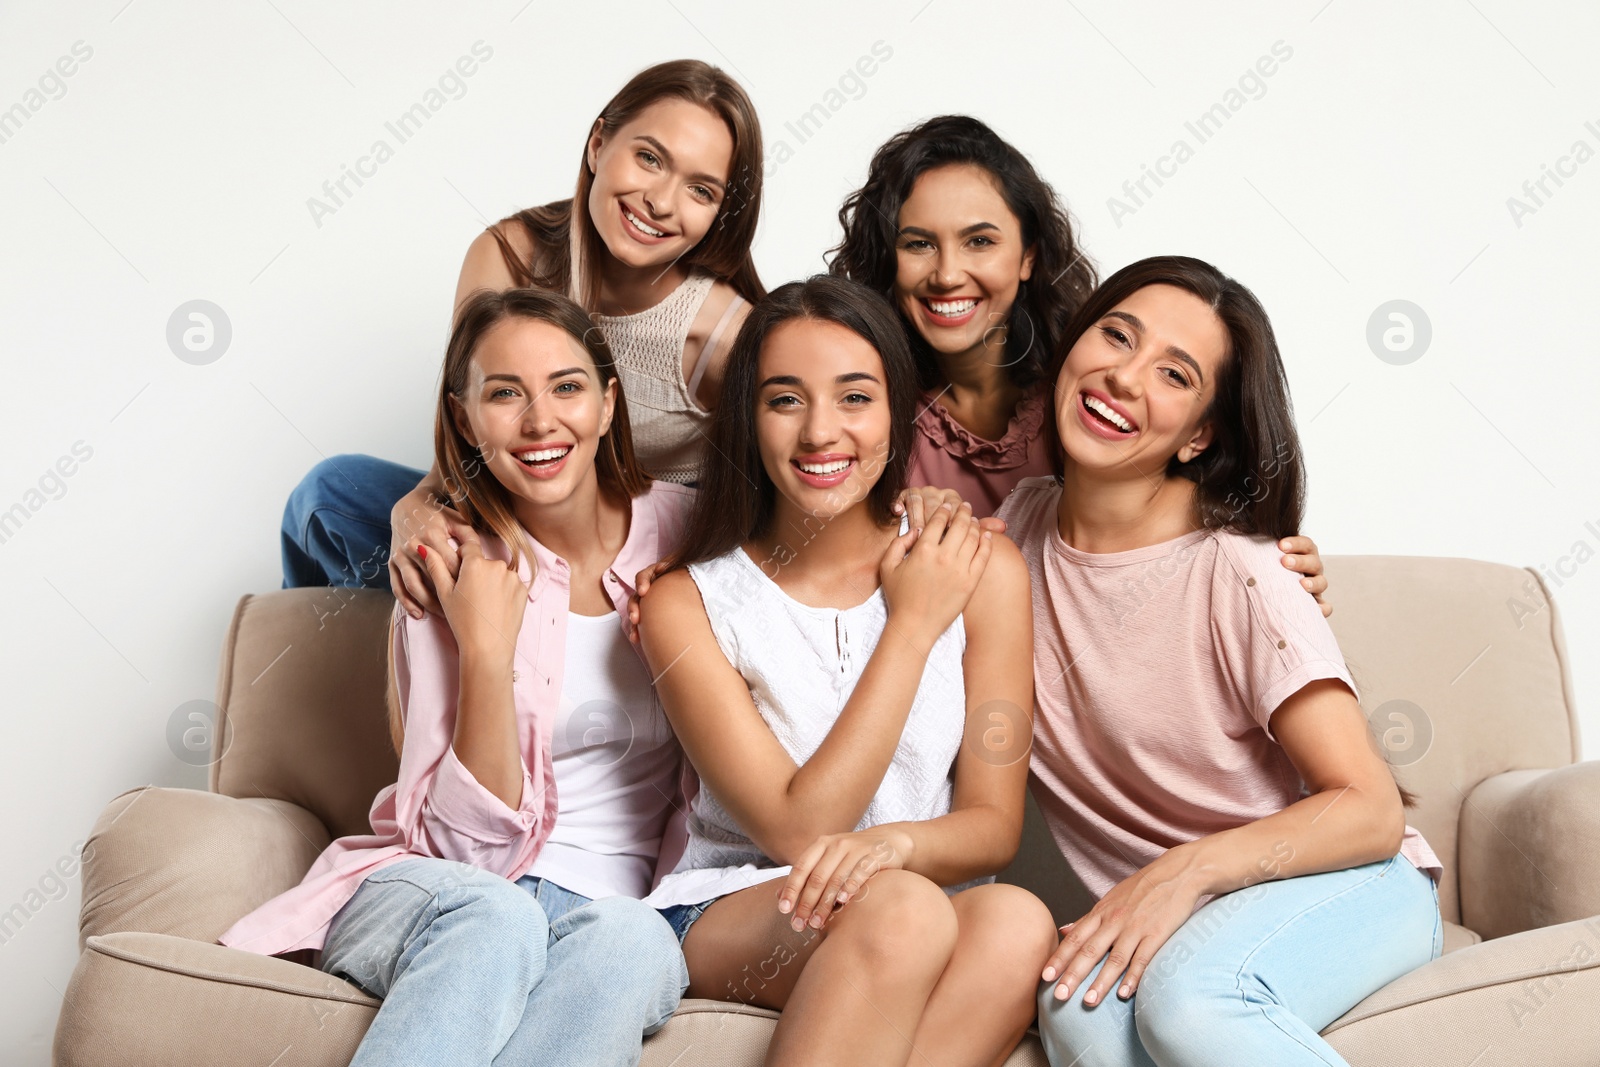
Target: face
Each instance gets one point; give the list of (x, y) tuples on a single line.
[(535, 408), (659, 181), (822, 415), (959, 258), (1135, 387)]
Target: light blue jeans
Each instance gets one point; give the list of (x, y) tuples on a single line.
[(1254, 975), (474, 969)]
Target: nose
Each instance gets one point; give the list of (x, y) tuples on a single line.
[(538, 418), (946, 270), (820, 427), (658, 198), (1123, 376)]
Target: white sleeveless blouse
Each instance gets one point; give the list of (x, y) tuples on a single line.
[(669, 428), (801, 664)]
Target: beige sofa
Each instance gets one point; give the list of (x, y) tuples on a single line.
[(1488, 740)]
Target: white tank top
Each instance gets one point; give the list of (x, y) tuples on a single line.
[(802, 663), (616, 767), (669, 427)]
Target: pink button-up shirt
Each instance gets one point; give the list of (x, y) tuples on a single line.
[(437, 808)]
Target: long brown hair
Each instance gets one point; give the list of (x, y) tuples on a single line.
[(737, 500), (1063, 275), (1251, 478), (478, 496), (569, 266)]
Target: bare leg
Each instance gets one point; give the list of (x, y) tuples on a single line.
[(985, 1000), (852, 993)]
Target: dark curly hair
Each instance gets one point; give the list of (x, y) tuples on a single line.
[(1063, 276)]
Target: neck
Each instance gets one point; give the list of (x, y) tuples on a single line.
[(978, 390), (1122, 509), (825, 546), (625, 290), (581, 529)]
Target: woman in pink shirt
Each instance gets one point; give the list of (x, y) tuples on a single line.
[(1199, 752), (493, 931)]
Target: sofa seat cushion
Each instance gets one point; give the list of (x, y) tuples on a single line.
[(142, 998), (1457, 937)]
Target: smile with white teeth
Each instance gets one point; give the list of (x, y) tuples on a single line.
[(1104, 410), (831, 467), (952, 307), (543, 455), (642, 227)]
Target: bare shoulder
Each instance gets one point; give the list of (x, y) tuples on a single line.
[(1004, 589), (673, 601)]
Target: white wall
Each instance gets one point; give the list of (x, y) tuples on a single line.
[(177, 164)]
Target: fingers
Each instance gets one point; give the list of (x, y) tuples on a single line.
[(980, 558), (442, 580), (895, 554), (938, 522), (1062, 955), (418, 586), (993, 524), (807, 911), (798, 875), (397, 586), (1141, 961), (835, 894), (1300, 546)]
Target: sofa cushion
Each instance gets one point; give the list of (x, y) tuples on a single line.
[(138, 998)]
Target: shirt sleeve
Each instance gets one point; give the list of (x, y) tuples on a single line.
[(1270, 636), (442, 809)]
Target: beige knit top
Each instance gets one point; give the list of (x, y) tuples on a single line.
[(670, 429)]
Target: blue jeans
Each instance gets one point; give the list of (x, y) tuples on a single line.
[(1254, 975), (336, 522), (474, 969)]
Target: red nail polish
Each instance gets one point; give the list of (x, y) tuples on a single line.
[(422, 550)]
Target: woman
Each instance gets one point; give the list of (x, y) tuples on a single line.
[(667, 200), (820, 664), (981, 261), (495, 907), (1198, 736)]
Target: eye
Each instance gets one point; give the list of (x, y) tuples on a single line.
[(1115, 334), (857, 398), (648, 158), (916, 244), (703, 194), (982, 242), (503, 392), (783, 400), (567, 388), (1176, 376)]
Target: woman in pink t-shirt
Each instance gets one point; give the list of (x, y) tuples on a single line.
[(1199, 752)]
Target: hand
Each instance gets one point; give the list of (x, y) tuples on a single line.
[(1126, 929), (919, 502), (484, 602), (929, 574), (1302, 558), (418, 520), (641, 586), (834, 869)]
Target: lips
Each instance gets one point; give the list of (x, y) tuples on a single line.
[(641, 230), (1104, 417), (950, 311), (545, 462), (823, 471)]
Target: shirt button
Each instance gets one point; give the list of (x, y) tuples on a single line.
[(516, 676), (1283, 644), (1249, 581)]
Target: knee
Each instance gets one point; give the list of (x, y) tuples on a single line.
[(1082, 1036), (1175, 1015), (489, 907), (634, 931), (899, 919), (1009, 924)]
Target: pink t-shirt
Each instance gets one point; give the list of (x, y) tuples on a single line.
[(948, 455), (1156, 673)]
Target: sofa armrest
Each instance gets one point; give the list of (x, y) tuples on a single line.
[(190, 864), (1530, 850)]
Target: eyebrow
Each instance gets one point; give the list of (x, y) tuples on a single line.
[(553, 375), (666, 154), (791, 379), (1172, 350), (966, 231)]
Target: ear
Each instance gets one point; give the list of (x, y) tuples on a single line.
[(591, 154), (1027, 263), (608, 406), (1196, 444), (458, 418)]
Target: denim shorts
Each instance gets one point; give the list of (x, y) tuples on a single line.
[(682, 916)]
